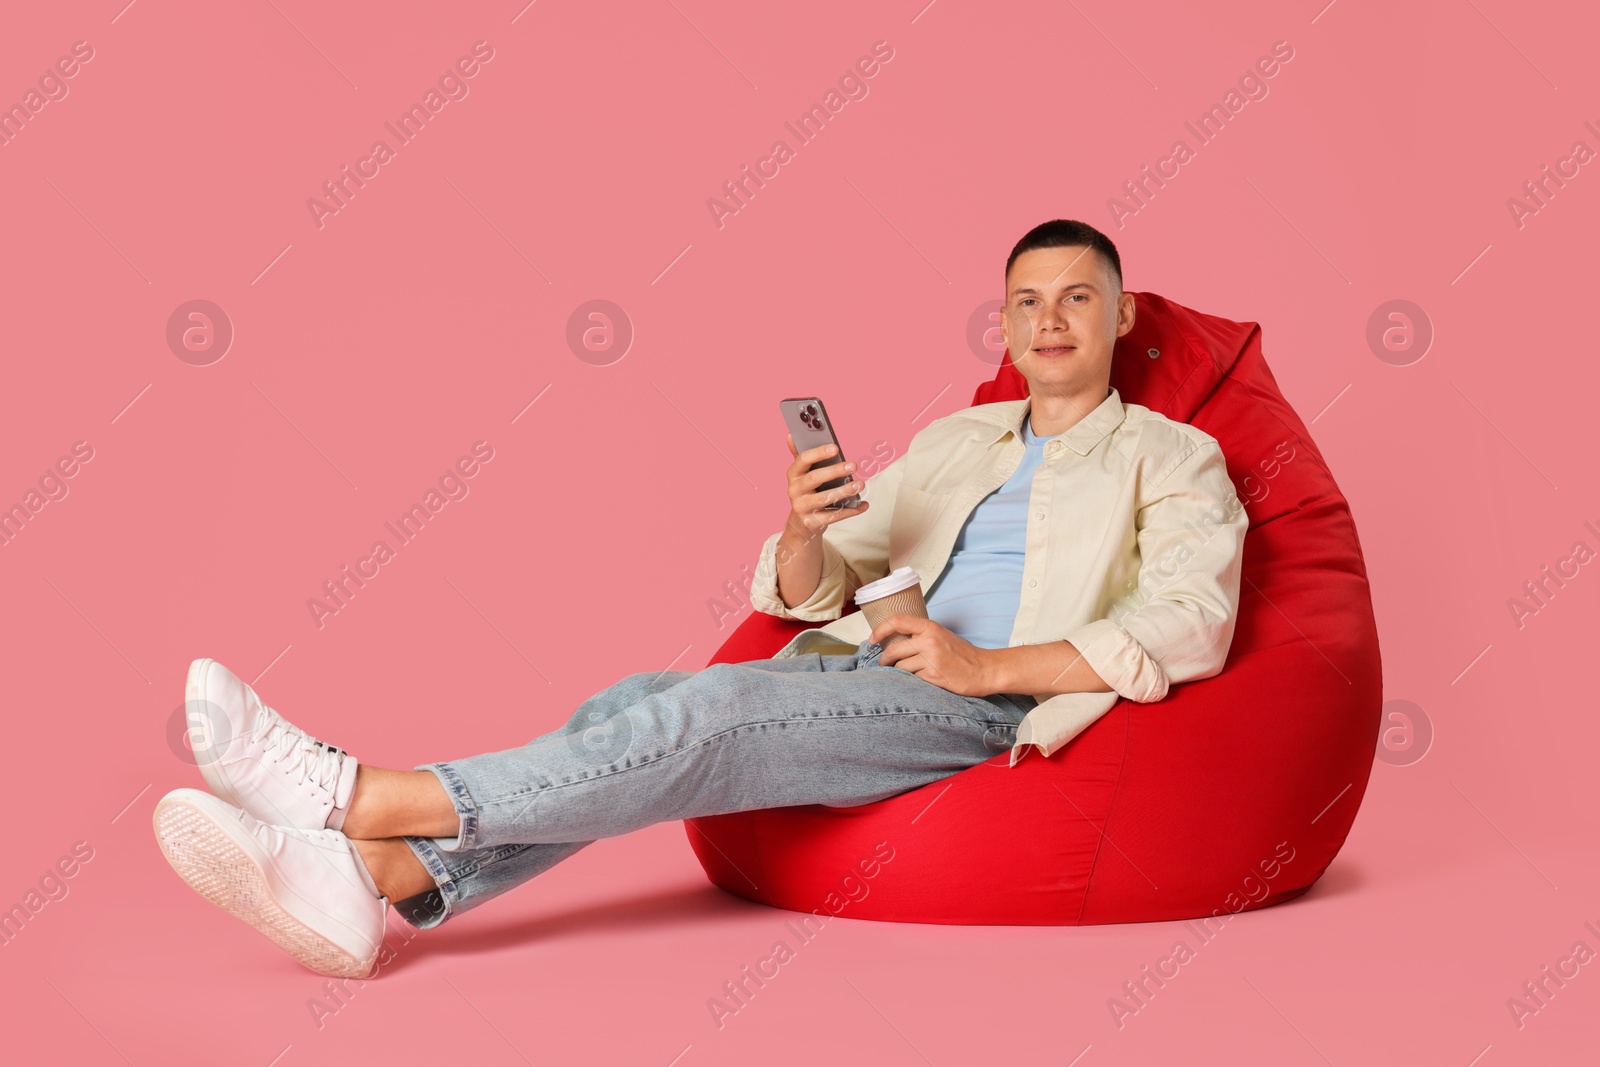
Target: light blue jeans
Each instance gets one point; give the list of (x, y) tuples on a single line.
[(841, 730)]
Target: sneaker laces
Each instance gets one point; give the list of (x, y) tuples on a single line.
[(311, 757)]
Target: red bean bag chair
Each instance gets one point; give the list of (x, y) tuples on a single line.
[(1233, 793)]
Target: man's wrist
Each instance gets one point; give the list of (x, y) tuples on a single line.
[(998, 669), (795, 539)]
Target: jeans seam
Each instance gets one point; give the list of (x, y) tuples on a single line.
[(449, 892), (617, 769), (461, 799)]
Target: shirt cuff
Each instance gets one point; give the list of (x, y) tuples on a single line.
[(824, 605), (1124, 664)]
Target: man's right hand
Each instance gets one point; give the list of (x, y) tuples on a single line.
[(809, 514)]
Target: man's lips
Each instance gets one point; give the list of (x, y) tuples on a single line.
[(1054, 350)]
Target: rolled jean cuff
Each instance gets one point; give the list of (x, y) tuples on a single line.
[(428, 909), (467, 836)]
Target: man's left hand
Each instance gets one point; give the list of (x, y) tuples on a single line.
[(934, 654)]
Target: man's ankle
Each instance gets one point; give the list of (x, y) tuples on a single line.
[(370, 854), (355, 827), (394, 868)]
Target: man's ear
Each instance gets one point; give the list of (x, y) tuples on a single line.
[(1126, 309)]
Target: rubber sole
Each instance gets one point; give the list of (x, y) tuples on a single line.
[(218, 861)]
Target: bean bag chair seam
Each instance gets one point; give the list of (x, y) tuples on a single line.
[(760, 863), (1207, 360), (1300, 437), (1116, 791), (1204, 364)]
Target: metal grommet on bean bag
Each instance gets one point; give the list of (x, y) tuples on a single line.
[(1233, 793)]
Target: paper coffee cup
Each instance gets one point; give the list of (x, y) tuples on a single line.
[(898, 593)]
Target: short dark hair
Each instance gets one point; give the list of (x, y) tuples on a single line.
[(1058, 233)]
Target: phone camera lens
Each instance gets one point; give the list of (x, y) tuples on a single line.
[(809, 416)]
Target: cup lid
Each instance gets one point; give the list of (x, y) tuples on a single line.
[(896, 580)]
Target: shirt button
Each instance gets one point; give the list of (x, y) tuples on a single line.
[(1032, 582), (1039, 516)]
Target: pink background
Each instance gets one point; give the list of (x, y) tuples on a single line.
[(428, 313)]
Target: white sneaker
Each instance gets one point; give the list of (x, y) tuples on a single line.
[(252, 757), (304, 889)]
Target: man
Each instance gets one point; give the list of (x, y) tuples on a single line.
[(1073, 550)]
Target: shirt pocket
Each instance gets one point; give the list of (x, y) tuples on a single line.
[(917, 515)]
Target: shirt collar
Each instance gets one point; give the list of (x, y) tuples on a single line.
[(1082, 437)]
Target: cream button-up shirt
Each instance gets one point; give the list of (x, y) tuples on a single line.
[(1133, 549)]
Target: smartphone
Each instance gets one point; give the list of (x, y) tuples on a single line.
[(810, 427)]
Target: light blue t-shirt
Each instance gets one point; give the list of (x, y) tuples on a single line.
[(980, 591)]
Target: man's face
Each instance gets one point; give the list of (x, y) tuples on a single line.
[(1062, 317)]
